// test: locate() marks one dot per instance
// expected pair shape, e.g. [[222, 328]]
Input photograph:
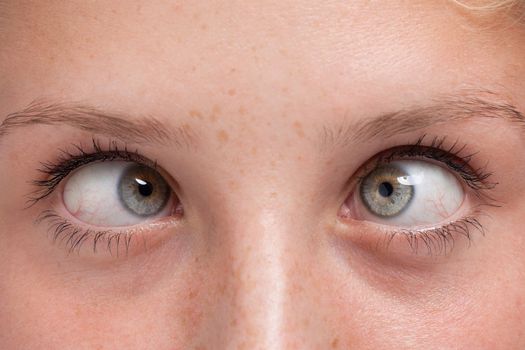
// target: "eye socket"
[[117, 193], [407, 193]]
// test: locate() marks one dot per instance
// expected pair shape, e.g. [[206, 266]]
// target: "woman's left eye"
[[408, 194], [117, 194]]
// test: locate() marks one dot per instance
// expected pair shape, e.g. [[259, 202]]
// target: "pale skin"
[[262, 257]]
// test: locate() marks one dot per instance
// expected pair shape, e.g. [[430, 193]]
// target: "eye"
[[408, 193], [117, 193]]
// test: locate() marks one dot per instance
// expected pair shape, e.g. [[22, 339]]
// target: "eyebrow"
[[444, 110], [150, 130], [91, 119]]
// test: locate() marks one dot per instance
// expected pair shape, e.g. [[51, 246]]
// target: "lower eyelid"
[[86, 241], [430, 241]]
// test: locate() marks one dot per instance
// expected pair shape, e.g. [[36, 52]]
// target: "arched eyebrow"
[[442, 111], [97, 121]]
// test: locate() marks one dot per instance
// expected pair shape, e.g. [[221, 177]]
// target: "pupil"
[[386, 189], [145, 188]]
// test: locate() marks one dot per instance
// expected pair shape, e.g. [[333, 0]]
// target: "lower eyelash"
[[439, 240], [73, 237]]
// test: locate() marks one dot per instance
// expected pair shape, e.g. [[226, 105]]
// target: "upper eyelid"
[[453, 155], [56, 171]]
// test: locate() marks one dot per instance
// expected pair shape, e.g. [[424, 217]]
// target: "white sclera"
[[91, 194], [437, 195]]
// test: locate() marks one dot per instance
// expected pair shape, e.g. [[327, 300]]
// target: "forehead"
[[264, 58]]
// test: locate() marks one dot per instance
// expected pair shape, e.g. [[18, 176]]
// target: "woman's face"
[[337, 174]]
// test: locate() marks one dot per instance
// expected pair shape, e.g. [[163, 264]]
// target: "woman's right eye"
[[117, 194]]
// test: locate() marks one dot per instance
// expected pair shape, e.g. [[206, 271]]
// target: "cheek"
[[140, 303], [454, 306]]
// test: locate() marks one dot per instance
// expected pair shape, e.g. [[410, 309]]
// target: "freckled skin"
[[261, 260]]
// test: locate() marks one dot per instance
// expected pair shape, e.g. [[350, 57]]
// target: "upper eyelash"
[[68, 161], [434, 239], [478, 179], [441, 239]]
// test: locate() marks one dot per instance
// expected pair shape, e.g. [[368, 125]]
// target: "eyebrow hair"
[[97, 121], [443, 111]]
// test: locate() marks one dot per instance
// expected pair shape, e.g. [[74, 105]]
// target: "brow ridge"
[[94, 120], [442, 111]]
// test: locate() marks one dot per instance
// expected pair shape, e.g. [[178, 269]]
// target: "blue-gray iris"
[[143, 191], [383, 194]]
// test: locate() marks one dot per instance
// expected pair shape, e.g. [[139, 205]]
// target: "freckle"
[[176, 7], [284, 90], [242, 110], [273, 194], [298, 129], [193, 68], [195, 114], [253, 151], [231, 92], [204, 27], [233, 70], [335, 343], [193, 293], [233, 185], [216, 110], [223, 136], [272, 163]]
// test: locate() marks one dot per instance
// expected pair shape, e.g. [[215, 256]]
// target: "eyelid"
[[453, 156], [476, 182], [67, 230], [55, 172], [117, 242]]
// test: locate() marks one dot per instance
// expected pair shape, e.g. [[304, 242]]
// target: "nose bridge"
[[258, 280]]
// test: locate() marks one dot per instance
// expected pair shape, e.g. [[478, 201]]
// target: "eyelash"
[[440, 240], [55, 172], [452, 156], [434, 239], [61, 229]]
